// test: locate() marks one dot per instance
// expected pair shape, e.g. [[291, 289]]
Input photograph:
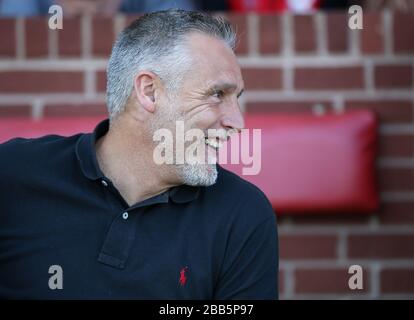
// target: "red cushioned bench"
[[308, 163], [323, 164]]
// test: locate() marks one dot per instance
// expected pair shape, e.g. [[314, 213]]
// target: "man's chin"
[[202, 175]]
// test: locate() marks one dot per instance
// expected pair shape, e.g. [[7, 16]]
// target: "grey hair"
[[156, 42]]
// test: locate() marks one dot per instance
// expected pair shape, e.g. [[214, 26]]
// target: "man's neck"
[[126, 159]]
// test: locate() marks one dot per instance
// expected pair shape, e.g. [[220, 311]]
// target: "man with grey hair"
[[101, 219]]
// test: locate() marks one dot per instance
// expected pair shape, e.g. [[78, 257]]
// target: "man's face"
[[208, 99]]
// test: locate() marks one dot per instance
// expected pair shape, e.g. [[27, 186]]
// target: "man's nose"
[[232, 117]]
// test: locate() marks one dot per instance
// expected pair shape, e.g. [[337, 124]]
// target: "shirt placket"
[[121, 234]]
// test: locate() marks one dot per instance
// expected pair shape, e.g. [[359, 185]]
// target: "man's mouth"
[[215, 143]]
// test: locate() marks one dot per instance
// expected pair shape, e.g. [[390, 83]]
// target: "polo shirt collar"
[[86, 156], [86, 152], [184, 193]]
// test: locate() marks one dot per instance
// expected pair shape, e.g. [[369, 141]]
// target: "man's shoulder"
[[234, 191], [33, 151], [20, 146], [237, 186]]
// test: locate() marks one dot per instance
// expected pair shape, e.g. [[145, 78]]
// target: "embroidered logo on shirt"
[[183, 278]]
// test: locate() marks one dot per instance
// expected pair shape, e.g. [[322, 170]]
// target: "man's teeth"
[[213, 142]]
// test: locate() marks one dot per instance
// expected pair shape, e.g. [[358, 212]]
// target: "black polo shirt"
[[58, 209]]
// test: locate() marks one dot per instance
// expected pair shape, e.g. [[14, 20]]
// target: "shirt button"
[[125, 215], [104, 183]]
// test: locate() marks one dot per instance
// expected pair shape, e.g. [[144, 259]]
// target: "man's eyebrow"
[[225, 87]]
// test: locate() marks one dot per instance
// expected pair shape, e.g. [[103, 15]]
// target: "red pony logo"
[[183, 278]]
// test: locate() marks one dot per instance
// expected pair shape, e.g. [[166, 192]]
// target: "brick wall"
[[290, 63]]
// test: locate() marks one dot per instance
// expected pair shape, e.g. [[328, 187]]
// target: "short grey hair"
[[156, 42]]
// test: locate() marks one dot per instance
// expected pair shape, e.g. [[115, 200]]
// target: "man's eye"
[[218, 94]]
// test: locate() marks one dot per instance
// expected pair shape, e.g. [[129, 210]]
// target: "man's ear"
[[144, 86]]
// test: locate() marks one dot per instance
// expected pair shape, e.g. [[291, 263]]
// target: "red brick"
[[389, 111], [403, 33], [15, 111], [396, 145], [101, 81], [397, 280], [239, 22], [396, 179], [337, 28], [325, 281], [264, 78], [103, 36], [304, 33], [381, 246], [83, 109], [37, 37], [393, 76], [70, 37], [372, 36], [285, 106], [329, 78], [7, 36], [40, 81], [307, 246], [270, 34], [397, 213]]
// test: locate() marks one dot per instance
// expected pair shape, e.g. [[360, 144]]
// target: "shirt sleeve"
[[251, 263]]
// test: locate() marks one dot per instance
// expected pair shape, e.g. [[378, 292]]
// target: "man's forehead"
[[205, 46], [215, 62]]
